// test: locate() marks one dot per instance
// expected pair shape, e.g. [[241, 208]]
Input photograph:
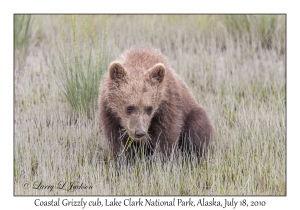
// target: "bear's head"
[[135, 96]]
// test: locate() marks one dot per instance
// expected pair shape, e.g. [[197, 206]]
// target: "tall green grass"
[[256, 27], [22, 27], [23, 34], [82, 68]]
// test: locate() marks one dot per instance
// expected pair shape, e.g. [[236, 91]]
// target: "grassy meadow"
[[234, 65]]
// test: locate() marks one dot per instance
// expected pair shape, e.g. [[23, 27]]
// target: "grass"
[[23, 35], [81, 74], [234, 65]]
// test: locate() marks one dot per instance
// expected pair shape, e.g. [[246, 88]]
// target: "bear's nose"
[[139, 133]]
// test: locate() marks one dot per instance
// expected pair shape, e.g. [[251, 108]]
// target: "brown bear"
[[142, 97]]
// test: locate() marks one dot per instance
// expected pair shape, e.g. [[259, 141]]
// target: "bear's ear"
[[156, 73], [116, 71]]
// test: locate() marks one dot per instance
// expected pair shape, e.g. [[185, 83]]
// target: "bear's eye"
[[129, 109], [149, 109]]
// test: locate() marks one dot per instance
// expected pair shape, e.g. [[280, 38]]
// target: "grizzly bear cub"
[[142, 97]]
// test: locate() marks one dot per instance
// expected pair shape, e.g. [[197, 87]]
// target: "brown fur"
[[139, 80]]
